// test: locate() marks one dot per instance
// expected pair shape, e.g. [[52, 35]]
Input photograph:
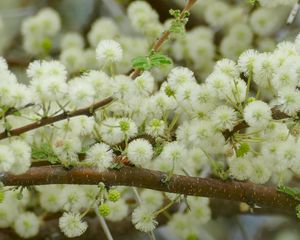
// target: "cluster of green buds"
[[112, 195]]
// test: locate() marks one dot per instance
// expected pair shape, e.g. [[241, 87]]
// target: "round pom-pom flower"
[[144, 219], [109, 50], [71, 225], [27, 225], [140, 151], [100, 155], [257, 114]]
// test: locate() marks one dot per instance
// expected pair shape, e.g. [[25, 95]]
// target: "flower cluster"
[[223, 118], [39, 30]]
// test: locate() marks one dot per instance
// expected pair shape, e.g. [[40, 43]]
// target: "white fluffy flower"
[[72, 40], [71, 224], [220, 83], [100, 155], [22, 153], [152, 199], [8, 212], [81, 93], [144, 83], [246, 61], [50, 198], [7, 158], [140, 152], [49, 20], [173, 154], [27, 225], [110, 132], [144, 219], [103, 28], [118, 210], [289, 101], [73, 59], [179, 76], [155, 127], [3, 64], [73, 198], [127, 127], [285, 77], [228, 67], [260, 171], [257, 114], [240, 168], [67, 148], [263, 70], [224, 117], [109, 51]]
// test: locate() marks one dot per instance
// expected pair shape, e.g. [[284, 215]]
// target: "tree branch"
[[260, 195], [88, 111]]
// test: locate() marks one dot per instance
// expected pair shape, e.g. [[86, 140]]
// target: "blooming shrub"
[[176, 109]]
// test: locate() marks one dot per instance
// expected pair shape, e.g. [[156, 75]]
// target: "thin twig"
[[88, 111]]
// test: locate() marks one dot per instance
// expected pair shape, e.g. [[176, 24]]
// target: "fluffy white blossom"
[[179, 76], [109, 51], [103, 28], [240, 168], [27, 225], [50, 198], [260, 171], [72, 225], [118, 210], [155, 127], [72, 40], [224, 117], [100, 155], [140, 152], [73, 198], [144, 219], [152, 199], [257, 114], [7, 158], [22, 153], [144, 83]]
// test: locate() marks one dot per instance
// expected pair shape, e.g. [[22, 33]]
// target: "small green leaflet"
[[154, 60], [158, 59], [44, 151], [243, 150], [141, 63], [292, 192]]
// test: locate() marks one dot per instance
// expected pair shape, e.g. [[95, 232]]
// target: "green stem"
[[167, 206]]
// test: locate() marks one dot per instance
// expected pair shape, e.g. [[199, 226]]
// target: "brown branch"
[[88, 111], [260, 195]]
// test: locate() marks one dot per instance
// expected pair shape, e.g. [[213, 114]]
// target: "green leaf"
[[292, 192], [146, 63], [243, 150], [141, 63], [158, 59]]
